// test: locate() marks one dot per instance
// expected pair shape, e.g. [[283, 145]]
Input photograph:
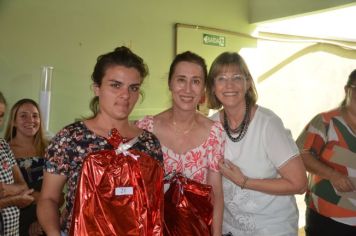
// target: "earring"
[[202, 99]]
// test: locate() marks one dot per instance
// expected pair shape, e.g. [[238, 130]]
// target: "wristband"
[[244, 183]]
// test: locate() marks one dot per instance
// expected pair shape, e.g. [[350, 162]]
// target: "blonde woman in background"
[[26, 139]]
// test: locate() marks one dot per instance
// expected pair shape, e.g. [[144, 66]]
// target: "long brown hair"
[[39, 141], [2, 99]]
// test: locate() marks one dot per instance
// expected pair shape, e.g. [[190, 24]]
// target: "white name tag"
[[119, 191]]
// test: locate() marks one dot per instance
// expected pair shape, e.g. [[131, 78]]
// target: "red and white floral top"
[[196, 162]]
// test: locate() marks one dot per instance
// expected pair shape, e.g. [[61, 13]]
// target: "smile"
[[187, 98], [230, 94]]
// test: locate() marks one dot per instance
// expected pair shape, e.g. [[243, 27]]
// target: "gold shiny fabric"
[[187, 208], [119, 195]]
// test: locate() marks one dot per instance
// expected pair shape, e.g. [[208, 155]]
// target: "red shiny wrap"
[[187, 208], [119, 195]]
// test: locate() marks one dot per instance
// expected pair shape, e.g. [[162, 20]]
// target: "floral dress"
[[195, 163], [68, 149]]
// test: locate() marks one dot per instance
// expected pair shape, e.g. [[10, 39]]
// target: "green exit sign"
[[214, 40]]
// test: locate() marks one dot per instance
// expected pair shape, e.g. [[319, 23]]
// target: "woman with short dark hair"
[[117, 80]]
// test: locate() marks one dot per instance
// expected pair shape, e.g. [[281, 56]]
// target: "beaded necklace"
[[241, 130]]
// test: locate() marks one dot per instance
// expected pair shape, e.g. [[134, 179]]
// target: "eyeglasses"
[[352, 86], [222, 79]]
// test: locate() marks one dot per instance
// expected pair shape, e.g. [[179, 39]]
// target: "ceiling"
[[336, 24]]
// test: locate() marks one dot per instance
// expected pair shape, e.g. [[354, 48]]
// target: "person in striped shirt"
[[328, 146]]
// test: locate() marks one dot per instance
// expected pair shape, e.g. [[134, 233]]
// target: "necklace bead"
[[241, 130]]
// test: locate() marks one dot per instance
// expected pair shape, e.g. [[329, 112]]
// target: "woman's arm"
[[16, 194], [215, 180], [49, 203], [20, 200], [36, 196], [292, 180], [17, 187], [340, 181]]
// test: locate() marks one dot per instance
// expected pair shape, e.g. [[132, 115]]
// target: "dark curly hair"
[[121, 56]]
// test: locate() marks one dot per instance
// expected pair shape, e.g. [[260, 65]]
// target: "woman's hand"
[[21, 200], [35, 229], [341, 182], [7, 190], [24, 199], [231, 172]]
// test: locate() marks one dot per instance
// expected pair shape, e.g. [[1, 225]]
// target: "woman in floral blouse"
[[117, 78], [192, 144]]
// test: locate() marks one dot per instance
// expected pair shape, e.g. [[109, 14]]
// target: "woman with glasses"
[[262, 167], [328, 145]]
